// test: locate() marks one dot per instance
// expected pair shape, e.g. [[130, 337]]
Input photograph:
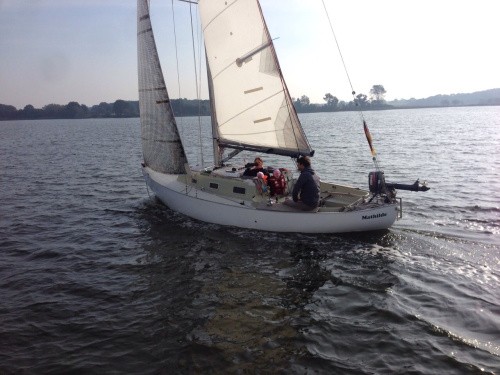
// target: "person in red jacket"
[[277, 183]]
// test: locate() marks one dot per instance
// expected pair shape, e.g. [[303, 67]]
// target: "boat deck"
[[230, 183]]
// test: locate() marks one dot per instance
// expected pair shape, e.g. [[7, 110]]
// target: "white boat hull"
[[211, 208]]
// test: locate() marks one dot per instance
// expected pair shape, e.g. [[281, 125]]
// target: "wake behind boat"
[[251, 111]]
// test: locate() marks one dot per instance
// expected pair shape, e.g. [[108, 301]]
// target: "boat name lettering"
[[367, 217]]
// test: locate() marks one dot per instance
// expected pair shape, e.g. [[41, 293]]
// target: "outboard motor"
[[376, 182]]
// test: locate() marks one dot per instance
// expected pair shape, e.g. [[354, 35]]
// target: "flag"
[[369, 138]]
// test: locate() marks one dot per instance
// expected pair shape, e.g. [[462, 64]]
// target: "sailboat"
[[251, 110]]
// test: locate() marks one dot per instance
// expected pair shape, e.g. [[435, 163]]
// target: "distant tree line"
[[333, 104], [181, 107], [186, 107], [479, 98], [118, 109]]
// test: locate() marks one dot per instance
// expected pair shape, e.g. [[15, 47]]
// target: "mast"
[[213, 118]]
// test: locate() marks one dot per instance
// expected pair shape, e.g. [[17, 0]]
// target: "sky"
[[57, 51]]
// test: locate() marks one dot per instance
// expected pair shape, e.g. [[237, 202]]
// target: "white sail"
[[161, 144], [253, 109]]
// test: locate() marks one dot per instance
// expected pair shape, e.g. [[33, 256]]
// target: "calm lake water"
[[96, 276]]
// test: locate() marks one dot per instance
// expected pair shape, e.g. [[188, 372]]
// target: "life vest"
[[277, 185]]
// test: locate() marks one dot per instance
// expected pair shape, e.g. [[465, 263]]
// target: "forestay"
[[253, 109], [161, 144]]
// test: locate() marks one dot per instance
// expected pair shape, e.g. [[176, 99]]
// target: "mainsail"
[[161, 143], [253, 109]]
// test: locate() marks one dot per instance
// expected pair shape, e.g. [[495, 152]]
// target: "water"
[[96, 276]]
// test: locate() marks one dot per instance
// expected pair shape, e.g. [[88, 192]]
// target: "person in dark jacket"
[[258, 166], [307, 187]]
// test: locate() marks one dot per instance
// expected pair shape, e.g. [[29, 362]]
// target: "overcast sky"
[[56, 51]]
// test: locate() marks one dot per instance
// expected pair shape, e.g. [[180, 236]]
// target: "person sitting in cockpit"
[[256, 168]]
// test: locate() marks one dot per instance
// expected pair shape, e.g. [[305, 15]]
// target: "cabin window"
[[214, 185], [238, 190]]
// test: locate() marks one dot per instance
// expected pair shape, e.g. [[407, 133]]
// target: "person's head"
[[258, 162], [303, 162]]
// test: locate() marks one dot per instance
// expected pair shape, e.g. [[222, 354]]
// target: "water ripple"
[[95, 274]]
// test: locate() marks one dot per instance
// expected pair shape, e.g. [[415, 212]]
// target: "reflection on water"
[[249, 302]]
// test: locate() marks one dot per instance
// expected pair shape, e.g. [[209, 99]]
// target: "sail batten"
[[253, 90], [257, 113], [248, 89]]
